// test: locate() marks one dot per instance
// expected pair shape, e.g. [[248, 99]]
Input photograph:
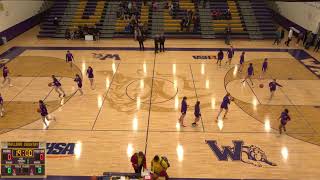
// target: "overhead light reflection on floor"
[[235, 70], [284, 153], [145, 68], [267, 126], [135, 123], [220, 124], [78, 149], [203, 69], [207, 84], [99, 101], [129, 150], [174, 69], [213, 103], [180, 152], [176, 103], [113, 68], [107, 82], [141, 83], [178, 126]]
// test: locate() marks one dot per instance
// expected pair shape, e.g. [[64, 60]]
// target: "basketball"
[[261, 85], [50, 84], [38, 110]]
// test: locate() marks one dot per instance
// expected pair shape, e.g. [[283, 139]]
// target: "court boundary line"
[[195, 90], [105, 96]]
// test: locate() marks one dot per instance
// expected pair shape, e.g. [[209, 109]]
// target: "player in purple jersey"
[[219, 57], [1, 106], [225, 105], [197, 113], [184, 108], [79, 83], [241, 61], [284, 118], [230, 53], [264, 67], [6, 77], [57, 86], [90, 76], [273, 87], [44, 113], [250, 73], [69, 58]]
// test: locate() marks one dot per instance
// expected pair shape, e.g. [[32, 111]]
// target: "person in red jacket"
[[138, 161]]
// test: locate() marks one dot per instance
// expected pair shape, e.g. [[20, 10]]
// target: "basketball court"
[[136, 102]]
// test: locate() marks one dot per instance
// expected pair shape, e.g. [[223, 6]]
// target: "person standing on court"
[[264, 68], [224, 105], [78, 80], [228, 34], [278, 38], [156, 44], [273, 87], [317, 47], [69, 58], [230, 53], [6, 77], [184, 108], [219, 57], [284, 118], [250, 73], [290, 34], [138, 161], [57, 86], [90, 76], [162, 40], [141, 39], [197, 114], [282, 35], [44, 113], [241, 62], [1, 106]]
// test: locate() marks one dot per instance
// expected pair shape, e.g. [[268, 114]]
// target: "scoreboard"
[[23, 159]]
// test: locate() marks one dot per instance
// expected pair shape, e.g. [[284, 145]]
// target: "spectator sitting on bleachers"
[[215, 14], [196, 23], [56, 22], [182, 24], [228, 14], [171, 9], [67, 34]]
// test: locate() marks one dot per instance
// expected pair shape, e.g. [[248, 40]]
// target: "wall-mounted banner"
[[106, 56], [239, 152]]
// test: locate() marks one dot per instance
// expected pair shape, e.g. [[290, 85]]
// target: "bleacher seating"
[[248, 19]]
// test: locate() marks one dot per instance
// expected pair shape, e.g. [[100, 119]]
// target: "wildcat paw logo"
[[247, 154], [106, 56]]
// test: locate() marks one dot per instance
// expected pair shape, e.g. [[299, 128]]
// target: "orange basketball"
[[261, 85], [38, 110], [50, 84]]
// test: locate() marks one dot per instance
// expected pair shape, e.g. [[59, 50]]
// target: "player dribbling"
[[57, 86]]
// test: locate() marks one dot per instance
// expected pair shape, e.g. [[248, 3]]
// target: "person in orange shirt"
[[138, 161]]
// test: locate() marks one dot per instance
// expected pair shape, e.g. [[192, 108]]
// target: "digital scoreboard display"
[[23, 159]]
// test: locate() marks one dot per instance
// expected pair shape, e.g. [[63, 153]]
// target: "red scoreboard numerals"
[[9, 157], [41, 157]]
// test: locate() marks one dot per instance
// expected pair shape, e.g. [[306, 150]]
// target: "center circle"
[[162, 90]]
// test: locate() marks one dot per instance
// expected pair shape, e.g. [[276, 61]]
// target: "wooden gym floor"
[[136, 104]]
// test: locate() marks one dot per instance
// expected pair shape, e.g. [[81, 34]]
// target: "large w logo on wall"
[[248, 154]]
